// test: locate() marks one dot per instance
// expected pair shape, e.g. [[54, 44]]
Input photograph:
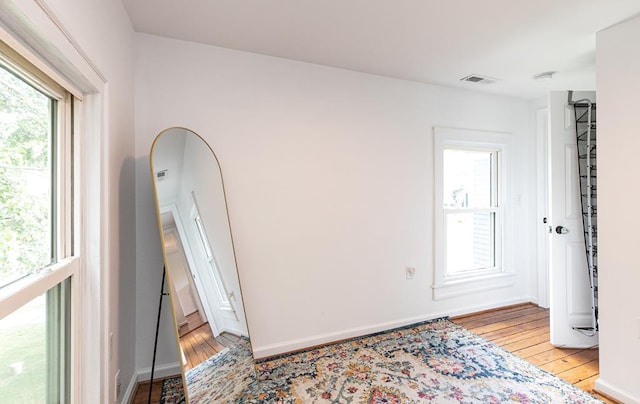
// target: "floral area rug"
[[433, 362], [172, 391], [222, 377]]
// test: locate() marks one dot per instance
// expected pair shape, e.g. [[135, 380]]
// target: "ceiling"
[[429, 41]]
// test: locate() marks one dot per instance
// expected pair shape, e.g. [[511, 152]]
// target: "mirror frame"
[[167, 273]]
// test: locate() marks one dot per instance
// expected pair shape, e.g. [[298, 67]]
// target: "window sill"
[[448, 288]]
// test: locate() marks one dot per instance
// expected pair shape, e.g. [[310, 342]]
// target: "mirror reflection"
[[201, 269]]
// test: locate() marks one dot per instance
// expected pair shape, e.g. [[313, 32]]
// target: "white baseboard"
[[131, 389], [608, 389], [292, 345], [142, 375], [169, 369], [482, 307]]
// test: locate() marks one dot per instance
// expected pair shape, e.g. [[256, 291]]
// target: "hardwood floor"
[[141, 395], [524, 331], [198, 345], [193, 321]]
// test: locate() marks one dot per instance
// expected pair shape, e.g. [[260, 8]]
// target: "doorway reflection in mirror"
[[204, 286]]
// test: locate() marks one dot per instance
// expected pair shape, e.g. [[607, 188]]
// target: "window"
[[471, 209], [38, 266], [470, 190]]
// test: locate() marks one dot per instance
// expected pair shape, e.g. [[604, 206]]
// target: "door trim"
[[542, 206]]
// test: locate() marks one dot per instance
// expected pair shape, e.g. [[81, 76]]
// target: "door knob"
[[561, 230]]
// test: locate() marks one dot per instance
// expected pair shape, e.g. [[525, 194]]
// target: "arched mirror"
[[201, 270]]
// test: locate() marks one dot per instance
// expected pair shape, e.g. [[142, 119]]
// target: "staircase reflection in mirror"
[[201, 268]]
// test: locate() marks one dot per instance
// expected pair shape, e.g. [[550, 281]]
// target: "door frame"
[[173, 210], [195, 294], [542, 206]]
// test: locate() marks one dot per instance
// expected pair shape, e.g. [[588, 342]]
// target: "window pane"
[[25, 178], [34, 350], [468, 179], [470, 241], [203, 238]]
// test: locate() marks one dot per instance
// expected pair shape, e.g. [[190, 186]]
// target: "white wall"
[[329, 179], [168, 157], [618, 86], [95, 38]]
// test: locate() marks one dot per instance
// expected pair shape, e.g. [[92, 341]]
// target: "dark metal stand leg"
[[155, 345]]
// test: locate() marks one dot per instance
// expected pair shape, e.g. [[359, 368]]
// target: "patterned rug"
[[172, 391], [436, 362], [223, 376]]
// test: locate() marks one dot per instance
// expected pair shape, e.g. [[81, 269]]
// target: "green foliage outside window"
[[25, 178]]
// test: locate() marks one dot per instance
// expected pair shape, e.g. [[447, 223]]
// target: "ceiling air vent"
[[160, 175], [476, 78]]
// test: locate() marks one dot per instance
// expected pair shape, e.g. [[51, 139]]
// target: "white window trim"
[[502, 275], [39, 284], [51, 48], [67, 207]]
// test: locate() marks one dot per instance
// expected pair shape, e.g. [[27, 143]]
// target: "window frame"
[[446, 285], [65, 213], [55, 51], [494, 208]]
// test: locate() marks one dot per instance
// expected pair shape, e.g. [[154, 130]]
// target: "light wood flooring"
[[523, 330], [142, 392], [193, 321], [198, 345]]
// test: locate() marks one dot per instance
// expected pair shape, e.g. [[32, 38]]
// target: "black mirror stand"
[[155, 344]]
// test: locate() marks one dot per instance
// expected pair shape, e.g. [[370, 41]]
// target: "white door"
[[182, 238], [190, 291], [570, 294], [181, 275]]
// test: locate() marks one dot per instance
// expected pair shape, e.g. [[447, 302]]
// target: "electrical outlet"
[[411, 272], [117, 386]]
